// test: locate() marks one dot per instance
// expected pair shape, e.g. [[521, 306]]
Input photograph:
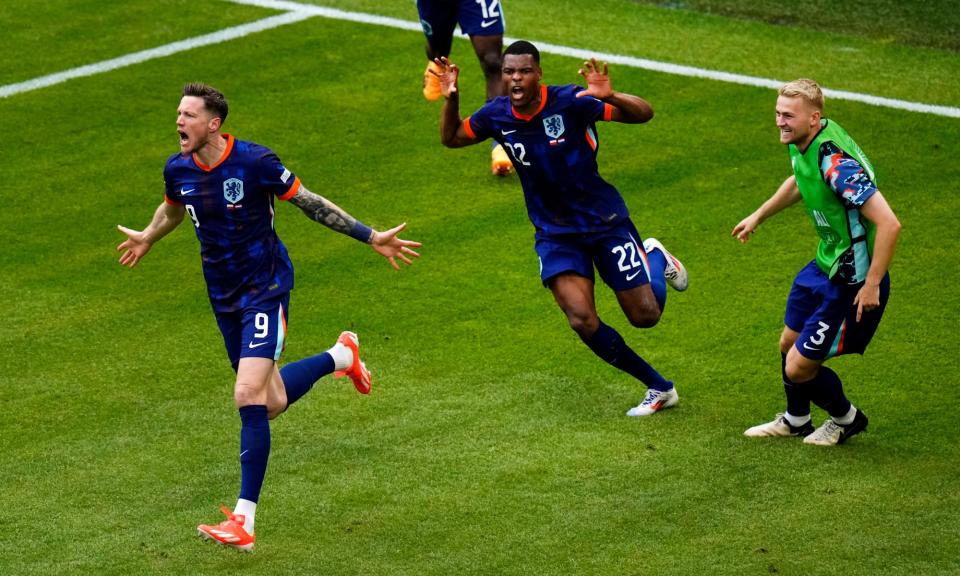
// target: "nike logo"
[[252, 345], [505, 132], [810, 347], [634, 275], [185, 192], [485, 24], [244, 452]]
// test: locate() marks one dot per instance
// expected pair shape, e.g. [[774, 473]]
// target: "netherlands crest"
[[553, 126], [233, 190]]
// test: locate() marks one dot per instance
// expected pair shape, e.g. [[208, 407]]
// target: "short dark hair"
[[213, 100], [523, 47]]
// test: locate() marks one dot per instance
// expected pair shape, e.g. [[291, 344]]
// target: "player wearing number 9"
[[228, 187], [581, 220]]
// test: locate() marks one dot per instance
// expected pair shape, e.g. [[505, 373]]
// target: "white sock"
[[848, 417], [248, 510], [796, 421], [342, 356]]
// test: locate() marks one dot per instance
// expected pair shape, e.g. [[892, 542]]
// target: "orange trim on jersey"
[[292, 190], [169, 201], [590, 140], [468, 129], [223, 157], [543, 102], [607, 112]]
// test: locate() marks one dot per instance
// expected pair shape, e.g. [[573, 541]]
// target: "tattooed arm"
[[386, 243], [320, 209]]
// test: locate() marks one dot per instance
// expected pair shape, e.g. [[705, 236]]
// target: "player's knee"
[[644, 316], [583, 324], [246, 394], [490, 62], [799, 372], [645, 319], [786, 342]]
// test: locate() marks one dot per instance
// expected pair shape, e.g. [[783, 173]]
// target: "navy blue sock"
[[659, 284], [609, 345], [299, 377], [826, 391], [798, 401], [254, 450]]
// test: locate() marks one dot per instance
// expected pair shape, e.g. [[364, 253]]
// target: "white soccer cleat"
[[674, 272], [830, 433], [655, 401], [780, 426]]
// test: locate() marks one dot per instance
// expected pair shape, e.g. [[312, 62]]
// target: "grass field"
[[493, 442]]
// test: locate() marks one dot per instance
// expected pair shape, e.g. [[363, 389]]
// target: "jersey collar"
[[543, 102], [223, 157]]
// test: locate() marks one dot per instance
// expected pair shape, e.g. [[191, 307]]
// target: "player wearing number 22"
[[227, 187], [581, 221]]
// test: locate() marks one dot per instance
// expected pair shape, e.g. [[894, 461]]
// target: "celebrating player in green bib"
[[837, 300]]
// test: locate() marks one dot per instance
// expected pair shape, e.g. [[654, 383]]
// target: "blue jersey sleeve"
[[275, 178], [170, 196], [845, 176], [479, 125], [588, 106]]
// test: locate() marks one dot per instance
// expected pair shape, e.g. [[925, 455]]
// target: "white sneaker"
[[654, 401], [830, 433], [779, 427], [674, 272]]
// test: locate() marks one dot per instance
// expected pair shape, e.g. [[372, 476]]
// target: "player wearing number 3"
[[581, 221], [227, 187], [837, 300]]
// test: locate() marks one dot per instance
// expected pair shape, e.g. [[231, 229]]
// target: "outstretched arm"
[[787, 195], [138, 243], [627, 108], [452, 132], [387, 244]]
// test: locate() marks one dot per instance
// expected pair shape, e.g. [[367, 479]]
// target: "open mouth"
[[183, 137], [516, 91]]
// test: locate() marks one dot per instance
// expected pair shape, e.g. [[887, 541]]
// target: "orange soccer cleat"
[[230, 532], [500, 163], [358, 370], [431, 83]]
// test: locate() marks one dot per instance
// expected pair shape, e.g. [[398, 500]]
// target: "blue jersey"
[[554, 152], [231, 206]]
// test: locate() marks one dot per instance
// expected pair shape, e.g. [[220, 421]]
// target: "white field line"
[[297, 12], [159, 52]]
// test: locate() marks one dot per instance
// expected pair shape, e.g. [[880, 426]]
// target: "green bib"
[[845, 235]]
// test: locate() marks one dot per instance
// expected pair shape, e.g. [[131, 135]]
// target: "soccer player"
[[581, 221], [227, 188], [483, 21], [837, 300]]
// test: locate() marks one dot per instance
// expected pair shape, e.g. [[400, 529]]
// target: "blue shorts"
[[617, 254], [476, 17], [257, 331], [824, 314]]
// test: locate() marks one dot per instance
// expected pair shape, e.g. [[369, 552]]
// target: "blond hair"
[[804, 88]]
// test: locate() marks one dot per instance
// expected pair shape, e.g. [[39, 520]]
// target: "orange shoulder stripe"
[[468, 129], [607, 112], [292, 190]]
